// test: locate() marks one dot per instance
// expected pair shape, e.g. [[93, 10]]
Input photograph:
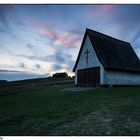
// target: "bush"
[[60, 75]]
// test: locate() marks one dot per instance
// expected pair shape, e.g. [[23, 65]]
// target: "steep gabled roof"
[[111, 52]]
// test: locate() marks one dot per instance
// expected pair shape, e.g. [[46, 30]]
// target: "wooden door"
[[89, 77]]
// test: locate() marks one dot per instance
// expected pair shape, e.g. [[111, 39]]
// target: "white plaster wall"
[[121, 78], [92, 61]]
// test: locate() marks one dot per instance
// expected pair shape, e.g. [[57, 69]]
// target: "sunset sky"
[[38, 40]]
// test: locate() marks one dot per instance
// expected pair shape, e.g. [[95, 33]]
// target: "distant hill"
[[38, 80], [3, 81]]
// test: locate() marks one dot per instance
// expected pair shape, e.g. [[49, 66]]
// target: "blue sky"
[[39, 40]]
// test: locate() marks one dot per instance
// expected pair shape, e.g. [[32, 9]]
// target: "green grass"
[[48, 110]]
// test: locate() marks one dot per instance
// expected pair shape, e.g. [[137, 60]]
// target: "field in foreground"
[[48, 110]]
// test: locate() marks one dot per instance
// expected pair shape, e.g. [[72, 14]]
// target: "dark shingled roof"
[[112, 53]]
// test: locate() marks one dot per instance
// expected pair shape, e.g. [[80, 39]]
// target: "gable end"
[[81, 48]]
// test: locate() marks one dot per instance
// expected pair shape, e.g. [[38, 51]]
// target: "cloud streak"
[[8, 71], [12, 75]]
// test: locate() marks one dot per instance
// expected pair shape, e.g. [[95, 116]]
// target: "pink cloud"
[[67, 39], [98, 11], [107, 6], [48, 32]]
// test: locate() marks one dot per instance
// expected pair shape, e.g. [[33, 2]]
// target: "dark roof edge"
[[107, 36]]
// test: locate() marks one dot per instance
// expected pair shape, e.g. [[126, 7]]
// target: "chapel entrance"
[[88, 77]]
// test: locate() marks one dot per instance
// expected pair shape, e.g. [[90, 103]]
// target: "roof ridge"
[[108, 36]]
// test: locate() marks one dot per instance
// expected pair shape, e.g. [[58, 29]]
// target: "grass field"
[[48, 110]]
